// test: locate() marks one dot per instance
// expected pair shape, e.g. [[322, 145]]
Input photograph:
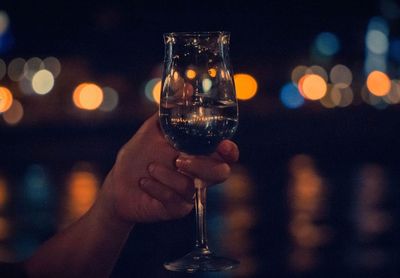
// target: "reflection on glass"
[[307, 193]]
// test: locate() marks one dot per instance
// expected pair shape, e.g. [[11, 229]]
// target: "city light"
[[6, 99], [290, 96], [32, 66], [246, 86], [88, 96], [318, 70], [297, 73], [53, 65], [327, 43], [156, 92], [191, 74], [341, 76], [312, 86], [377, 42], [15, 114], [206, 84], [150, 86], [110, 100], [16, 69], [212, 72], [42, 82], [378, 83]]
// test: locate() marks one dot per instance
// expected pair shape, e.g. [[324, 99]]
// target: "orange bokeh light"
[[246, 86], [312, 86], [156, 92], [6, 99], [191, 74], [88, 96], [378, 83], [212, 72]]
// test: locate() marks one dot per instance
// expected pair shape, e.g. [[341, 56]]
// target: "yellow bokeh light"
[[15, 114], [156, 92], [297, 73], [312, 86], [88, 96], [6, 99], [42, 82], [378, 83], [191, 74], [246, 86], [212, 72]]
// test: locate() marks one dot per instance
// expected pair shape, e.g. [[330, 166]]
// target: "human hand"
[[151, 181]]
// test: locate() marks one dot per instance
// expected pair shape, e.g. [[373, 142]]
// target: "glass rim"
[[197, 34]]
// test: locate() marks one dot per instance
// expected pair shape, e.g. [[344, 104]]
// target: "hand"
[[151, 181]]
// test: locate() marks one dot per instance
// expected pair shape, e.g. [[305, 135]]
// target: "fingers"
[[176, 181], [208, 169], [228, 151], [173, 203]]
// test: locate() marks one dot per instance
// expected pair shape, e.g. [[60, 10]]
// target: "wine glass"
[[198, 109]]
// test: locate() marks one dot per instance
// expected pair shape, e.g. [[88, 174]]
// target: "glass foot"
[[201, 261]]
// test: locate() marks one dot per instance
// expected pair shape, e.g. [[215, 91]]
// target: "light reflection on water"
[[36, 204]]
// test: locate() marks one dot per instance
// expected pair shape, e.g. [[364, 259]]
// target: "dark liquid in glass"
[[197, 129]]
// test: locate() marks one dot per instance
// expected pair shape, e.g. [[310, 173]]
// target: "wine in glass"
[[198, 109]]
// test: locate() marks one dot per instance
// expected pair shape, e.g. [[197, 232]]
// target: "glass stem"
[[200, 207]]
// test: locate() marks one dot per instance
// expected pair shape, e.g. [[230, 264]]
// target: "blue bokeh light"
[[290, 96], [394, 50], [327, 43]]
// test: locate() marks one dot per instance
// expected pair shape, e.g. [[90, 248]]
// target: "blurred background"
[[316, 191]]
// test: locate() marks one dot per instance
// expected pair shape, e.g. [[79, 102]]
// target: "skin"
[[150, 181]]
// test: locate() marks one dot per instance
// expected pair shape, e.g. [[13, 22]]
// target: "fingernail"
[[226, 149], [182, 162]]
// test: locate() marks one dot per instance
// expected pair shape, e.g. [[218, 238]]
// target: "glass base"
[[201, 261]]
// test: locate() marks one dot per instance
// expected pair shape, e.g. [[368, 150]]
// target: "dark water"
[[310, 197]]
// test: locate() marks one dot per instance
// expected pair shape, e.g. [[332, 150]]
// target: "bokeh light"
[[246, 86], [110, 99], [341, 97], [4, 22], [212, 72], [151, 84], [297, 73], [52, 64], [380, 24], [378, 83], [6, 99], [3, 69], [15, 114], [290, 96], [32, 66], [326, 101], [16, 69], [206, 84], [319, 71], [313, 86], [88, 96], [42, 82], [82, 189], [191, 74], [393, 97], [341, 76], [377, 42], [327, 43], [156, 92]]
